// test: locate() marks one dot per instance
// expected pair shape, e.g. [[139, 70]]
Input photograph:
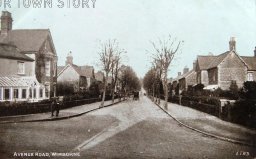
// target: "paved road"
[[132, 129]]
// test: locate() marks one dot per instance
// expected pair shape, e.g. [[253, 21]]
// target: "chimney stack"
[[185, 70], [255, 52], [179, 73], [69, 58], [232, 44], [194, 65], [6, 22]]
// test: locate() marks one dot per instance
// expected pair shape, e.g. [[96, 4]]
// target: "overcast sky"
[[204, 26]]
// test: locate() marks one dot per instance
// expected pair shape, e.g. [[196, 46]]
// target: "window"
[[21, 68], [24, 94], [47, 68], [6, 94], [15, 93], [47, 91], [34, 93], [30, 93], [250, 77], [1, 94], [54, 69], [41, 93]]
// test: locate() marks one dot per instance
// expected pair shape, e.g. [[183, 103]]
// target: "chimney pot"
[[179, 73]]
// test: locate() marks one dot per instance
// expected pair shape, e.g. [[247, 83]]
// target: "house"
[[226, 68], [99, 76], [80, 76], [16, 82], [188, 78], [184, 80], [37, 44], [175, 81], [202, 64]]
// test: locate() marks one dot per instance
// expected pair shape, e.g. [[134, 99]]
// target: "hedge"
[[22, 108]]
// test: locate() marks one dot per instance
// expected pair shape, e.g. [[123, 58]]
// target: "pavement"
[[64, 114], [210, 125]]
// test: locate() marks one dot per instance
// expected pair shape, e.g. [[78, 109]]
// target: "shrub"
[[244, 112], [249, 90], [65, 88]]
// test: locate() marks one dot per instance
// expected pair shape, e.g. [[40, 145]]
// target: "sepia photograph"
[[130, 79]]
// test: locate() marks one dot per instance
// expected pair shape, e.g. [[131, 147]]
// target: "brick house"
[[188, 78], [184, 80], [221, 70], [36, 44], [80, 76]]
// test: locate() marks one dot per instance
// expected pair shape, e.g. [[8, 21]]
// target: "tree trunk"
[[154, 92], [165, 90], [113, 94], [104, 91], [113, 91]]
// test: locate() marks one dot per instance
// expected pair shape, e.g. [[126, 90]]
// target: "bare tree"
[[157, 80], [115, 68], [106, 55], [165, 51], [110, 56]]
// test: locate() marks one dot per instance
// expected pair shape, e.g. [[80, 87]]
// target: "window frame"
[[22, 97], [41, 93], [249, 76], [47, 68], [15, 93], [9, 94], [22, 65]]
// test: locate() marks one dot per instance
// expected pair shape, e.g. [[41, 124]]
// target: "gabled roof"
[[187, 74], [204, 61], [177, 78], [9, 51], [59, 69], [27, 40], [86, 71], [250, 61], [217, 60]]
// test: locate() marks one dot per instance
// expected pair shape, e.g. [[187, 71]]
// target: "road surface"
[[132, 129]]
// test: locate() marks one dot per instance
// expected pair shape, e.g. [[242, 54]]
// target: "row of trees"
[[118, 78], [123, 77], [164, 52]]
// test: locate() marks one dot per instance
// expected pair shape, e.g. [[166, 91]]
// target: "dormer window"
[[21, 68]]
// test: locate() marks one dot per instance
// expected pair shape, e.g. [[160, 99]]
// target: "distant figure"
[[136, 95], [57, 108], [53, 106]]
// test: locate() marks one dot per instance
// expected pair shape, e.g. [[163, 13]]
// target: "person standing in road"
[[57, 108]]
